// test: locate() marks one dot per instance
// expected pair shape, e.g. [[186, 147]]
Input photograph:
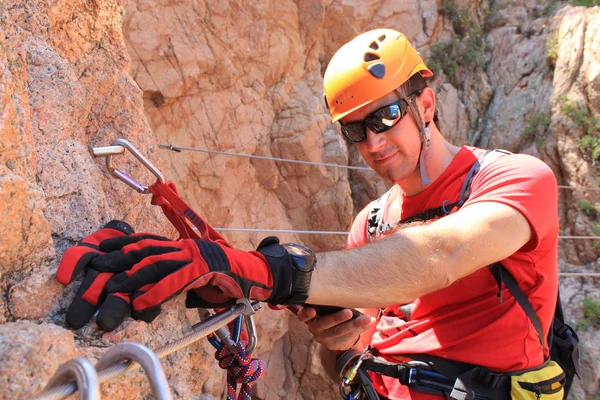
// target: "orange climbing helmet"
[[368, 67]]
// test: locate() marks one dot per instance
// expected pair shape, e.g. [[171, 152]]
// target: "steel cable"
[[288, 160]]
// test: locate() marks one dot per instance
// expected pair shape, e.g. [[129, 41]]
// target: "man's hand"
[[337, 331], [92, 295], [166, 268]]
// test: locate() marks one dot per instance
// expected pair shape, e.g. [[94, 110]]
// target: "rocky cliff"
[[246, 77]]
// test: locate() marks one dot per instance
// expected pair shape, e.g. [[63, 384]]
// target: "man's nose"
[[374, 141]]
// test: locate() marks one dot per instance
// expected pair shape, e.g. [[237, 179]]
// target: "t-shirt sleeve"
[[358, 232], [525, 183]]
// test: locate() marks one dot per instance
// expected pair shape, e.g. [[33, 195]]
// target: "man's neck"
[[437, 158]]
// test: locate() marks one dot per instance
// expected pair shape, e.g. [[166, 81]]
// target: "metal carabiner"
[[249, 312], [130, 352], [82, 372], [118, 147], [222, 336]]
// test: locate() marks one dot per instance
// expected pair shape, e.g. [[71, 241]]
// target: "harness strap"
[[474, 383], [501, 275], [374, 227]]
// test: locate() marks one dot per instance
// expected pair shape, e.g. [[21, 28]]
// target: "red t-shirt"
[[466, 321]]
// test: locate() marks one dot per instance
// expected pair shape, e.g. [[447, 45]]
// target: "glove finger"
[[117, 243], [151, 271], [112, 229], [171, 285], [125, 259], [76, 258], [113, 311], [73, 262], [89, 295], [149, 314]]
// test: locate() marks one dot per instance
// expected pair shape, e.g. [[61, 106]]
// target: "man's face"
[[393, 154]]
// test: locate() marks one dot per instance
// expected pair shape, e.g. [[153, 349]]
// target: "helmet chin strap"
[[424, 133]]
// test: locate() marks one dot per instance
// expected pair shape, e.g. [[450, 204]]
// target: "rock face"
[[246, 77]]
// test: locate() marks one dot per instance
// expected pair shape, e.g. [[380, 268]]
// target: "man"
[[510, 216], [375, 88]]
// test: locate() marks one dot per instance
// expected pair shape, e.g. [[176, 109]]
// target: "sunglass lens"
[[384, 118], [354, 132]]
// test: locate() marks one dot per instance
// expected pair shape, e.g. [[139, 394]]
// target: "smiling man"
[[428, 281]]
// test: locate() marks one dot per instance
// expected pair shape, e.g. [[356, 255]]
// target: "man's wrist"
[[292, 266], [303, 265]]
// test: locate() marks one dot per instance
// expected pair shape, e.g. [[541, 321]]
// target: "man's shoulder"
[[503, 160], [520, 164]]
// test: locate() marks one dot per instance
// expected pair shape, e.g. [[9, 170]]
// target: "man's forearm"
[[397, 269]]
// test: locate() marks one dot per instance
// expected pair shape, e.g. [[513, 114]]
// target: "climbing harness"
[[459, 380], [355, 384], [232, 353]]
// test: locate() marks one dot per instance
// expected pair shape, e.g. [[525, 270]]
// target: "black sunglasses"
[[378, 121]]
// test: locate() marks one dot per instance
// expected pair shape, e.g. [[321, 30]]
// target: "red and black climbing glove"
[[92, 295], [173, 267]]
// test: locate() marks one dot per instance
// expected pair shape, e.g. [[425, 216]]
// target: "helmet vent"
[[371, 57], [377, 70], [374, 46], [381, 38]]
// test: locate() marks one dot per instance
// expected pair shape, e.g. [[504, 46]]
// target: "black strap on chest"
[[376, 226]]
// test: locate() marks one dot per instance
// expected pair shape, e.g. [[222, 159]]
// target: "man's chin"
[[404, 179]]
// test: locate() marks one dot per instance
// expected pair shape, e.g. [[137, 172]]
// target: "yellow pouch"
[[545, 383]]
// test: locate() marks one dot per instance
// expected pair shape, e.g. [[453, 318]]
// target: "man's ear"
[[427, 100]]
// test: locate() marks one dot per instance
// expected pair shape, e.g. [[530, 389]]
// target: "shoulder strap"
[[485, 159], [501, 275]]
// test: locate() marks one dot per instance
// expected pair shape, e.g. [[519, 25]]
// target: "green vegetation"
[[466, 49], [549, 8], [546, 10], [456, 54], [536, 129], [552, 51], [586, 206], [589, 143], [597, 229], [585, 3], [591, 314], [459, 17]]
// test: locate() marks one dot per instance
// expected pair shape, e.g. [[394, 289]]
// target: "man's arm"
[[418, 260]]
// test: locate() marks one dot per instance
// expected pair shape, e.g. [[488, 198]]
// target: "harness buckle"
[[413, 376], [118, 147]]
